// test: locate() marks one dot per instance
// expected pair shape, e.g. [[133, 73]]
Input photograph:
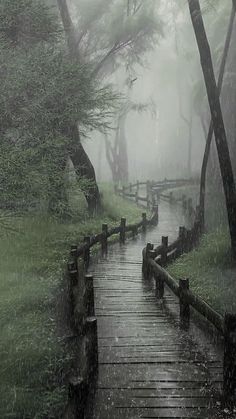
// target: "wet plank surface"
[[149, 367]]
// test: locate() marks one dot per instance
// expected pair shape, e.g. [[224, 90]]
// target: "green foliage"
[[43, 94], [27, 22]]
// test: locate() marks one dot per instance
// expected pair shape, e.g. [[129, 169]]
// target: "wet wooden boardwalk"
[[149, 367]]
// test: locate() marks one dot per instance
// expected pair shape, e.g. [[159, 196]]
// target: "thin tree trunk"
[[68, 27], [123, 153], [211, 130], [117, 155], [111, 155], [187, 121], [217, 118], [190, 144]]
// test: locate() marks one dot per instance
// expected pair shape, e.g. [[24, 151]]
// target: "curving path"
[[149, 367]]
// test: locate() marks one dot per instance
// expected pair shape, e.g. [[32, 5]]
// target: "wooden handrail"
[[96, 239], [154, 192], [154, 261], [195, 301]]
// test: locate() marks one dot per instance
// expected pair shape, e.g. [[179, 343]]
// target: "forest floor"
[[34, 257], [211, 271]]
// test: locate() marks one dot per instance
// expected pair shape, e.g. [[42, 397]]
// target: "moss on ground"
[[32, 355], [211, 271]]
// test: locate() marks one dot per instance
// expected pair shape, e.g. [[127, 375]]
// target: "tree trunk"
[[79, 157], [211, 129], [112, 160], [217, 118], [85, 170], [190, 144], [68, 28], [58, 201]]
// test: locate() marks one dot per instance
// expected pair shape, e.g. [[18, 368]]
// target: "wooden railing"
[[81, 298], [154, 192], [154, 262]]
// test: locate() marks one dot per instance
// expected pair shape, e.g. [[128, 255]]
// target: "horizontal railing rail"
[[154, 192], [122, 229]]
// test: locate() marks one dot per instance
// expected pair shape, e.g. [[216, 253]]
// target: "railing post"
[[122, 230], [156, 214], [183, 303], [104, 238], [78, 390], [145, 267], [189, 240], [137, 186], [160, 287], [136, 197], [182, 236], [144, 225], [171, 198], [73, 273], [91, 344], [149, 254], [87, 252], [73, 281], [89, 295], [123, 191], [229, 372], [134, 232], [164, 242], [73, 253], [184, 202], [154, 203]]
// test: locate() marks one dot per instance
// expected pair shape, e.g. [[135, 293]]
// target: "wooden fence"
[[82, 315], [154, 262], [149, 193]]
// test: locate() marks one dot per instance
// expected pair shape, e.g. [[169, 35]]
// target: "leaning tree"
[[217, 117], [211, 128]]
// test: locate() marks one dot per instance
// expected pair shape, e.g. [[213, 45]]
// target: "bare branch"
[[117, 47], [68, 25]]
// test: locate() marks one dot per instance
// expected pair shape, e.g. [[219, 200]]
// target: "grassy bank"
[[33, 359], [210, 270]]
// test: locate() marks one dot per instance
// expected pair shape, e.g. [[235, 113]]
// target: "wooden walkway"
[[149, 367]]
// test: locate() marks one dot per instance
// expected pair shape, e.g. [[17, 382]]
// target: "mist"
[[117, 209]]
